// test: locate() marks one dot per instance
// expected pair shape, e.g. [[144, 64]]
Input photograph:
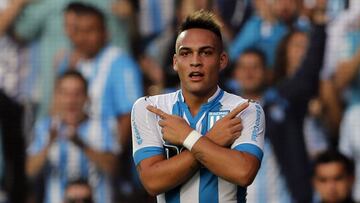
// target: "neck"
[[194, 100], [73, 118]]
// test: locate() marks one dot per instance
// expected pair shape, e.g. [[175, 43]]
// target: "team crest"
[[215, 116]]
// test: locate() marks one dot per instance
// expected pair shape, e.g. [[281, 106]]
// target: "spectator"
[[42, 21], [333, 177], [71, 145], [349, 142], [78, 191], [285, 105], [266, 27], [114, 78]]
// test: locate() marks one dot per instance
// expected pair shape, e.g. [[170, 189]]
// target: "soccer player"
[[200, 143]]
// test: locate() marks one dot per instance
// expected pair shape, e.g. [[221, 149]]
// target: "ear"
[[224, 60], [175, 63]]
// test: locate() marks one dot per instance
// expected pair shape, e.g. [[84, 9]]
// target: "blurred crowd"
[[70, 71]]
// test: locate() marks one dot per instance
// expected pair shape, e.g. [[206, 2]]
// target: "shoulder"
[[230, 101], [161, 101]]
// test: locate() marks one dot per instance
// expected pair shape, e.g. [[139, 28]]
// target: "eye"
[[184, 53], [206, 53]]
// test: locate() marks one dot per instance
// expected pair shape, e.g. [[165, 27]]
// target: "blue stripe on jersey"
[[208, 192], [241, 195], [63, 163], [251, 149], [155, 11], [147, 152]]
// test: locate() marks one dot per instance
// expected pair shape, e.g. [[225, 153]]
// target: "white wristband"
[[191, 139]]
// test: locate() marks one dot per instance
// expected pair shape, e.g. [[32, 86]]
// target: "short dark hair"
[[75, 7], [334, 156], [81, 8], [78, 181], [257, 52], [204, 20], [75, 74]]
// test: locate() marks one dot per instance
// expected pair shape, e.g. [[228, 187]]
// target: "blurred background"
[[70, 71]]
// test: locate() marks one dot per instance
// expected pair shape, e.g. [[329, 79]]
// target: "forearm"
[[106, 161], [34, 163], [159, 175], [346, 72], [219, 160], [8, 15]]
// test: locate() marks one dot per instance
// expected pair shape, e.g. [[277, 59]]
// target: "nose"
[[195, 60]]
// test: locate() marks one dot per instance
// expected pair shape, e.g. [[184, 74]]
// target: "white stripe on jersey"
[[189, 192], [146, 137]]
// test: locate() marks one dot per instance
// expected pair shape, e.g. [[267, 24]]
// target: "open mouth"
[[195, 76]]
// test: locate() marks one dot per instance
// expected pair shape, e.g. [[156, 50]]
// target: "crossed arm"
[[159, 175]]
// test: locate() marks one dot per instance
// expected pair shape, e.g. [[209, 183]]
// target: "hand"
[[174, 128], [226, 130], [71, 134]]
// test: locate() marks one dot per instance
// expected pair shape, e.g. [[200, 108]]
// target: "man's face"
[[90, 35], [332, 182], [70, 97], [78, 194], [250, 73], [285, 10], [70, 25], [198, 60]]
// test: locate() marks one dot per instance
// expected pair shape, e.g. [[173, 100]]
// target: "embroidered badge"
[[215, 116]]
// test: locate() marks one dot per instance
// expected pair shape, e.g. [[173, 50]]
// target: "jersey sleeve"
[[146, 137], [252, 136]]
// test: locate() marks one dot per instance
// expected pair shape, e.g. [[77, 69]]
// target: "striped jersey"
[[65, 161], [203, 186], [114, 81]]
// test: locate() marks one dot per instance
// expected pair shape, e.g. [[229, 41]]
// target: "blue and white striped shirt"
[[203, 186], [65, 161]]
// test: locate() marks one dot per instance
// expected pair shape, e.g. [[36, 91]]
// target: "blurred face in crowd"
[[295, 50], [69, 25], [250, 73], [332, 182], [70, 97], [78, 194], [90, 35], [198, 61], [285, 10]]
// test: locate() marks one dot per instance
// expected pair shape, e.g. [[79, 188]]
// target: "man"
[[199, 144], [65, 146], [269, 185], [333, 177], [114, 77], [78, 191], [285, 173]]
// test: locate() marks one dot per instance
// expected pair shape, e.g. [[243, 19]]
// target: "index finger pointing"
[[157, 111], [237, 110]]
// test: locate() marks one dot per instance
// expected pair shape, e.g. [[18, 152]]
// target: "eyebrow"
[[201, 48]]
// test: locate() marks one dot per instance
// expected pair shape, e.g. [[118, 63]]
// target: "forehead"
[[196, 38], [330, 169]]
